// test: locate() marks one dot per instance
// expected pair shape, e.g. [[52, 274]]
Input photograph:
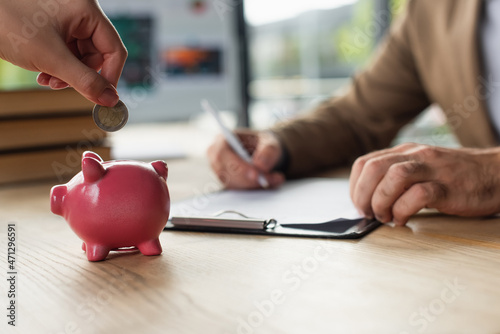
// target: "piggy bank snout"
[[57, 194]]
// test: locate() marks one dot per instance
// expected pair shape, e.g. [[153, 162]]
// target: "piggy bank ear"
[[92, 169], [161, 168], [90, 154]]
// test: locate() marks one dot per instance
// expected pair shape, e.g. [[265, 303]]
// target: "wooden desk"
[[438, 275]]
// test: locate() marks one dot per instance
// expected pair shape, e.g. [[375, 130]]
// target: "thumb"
[[267, 153], [82, 78]]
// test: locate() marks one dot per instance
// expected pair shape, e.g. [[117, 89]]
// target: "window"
[[303, 52]]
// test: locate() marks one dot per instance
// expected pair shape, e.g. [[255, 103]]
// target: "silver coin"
[[110, 119]]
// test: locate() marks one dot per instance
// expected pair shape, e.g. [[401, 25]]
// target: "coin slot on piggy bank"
[[115, 205]]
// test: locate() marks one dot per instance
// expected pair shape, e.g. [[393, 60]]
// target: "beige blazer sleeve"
[[381, 99]]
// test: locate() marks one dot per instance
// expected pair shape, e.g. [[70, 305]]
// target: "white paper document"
[[312, 200]]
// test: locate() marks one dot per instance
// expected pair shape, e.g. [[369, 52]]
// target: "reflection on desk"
[[438, 275]]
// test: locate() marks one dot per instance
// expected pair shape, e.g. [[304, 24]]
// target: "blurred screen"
[[180, 51], [192, 61]]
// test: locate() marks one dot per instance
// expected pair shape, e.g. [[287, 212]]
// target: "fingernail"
[[44, 81], [61, 85], [108, 98]]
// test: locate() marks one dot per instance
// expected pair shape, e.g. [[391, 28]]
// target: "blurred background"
[[259, 61]]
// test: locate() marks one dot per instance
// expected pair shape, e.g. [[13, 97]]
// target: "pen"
[[233, 141]]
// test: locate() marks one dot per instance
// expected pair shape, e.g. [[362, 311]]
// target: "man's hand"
[[68, 42], [237, 174], [393, 184]]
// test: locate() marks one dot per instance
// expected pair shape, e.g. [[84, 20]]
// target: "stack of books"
[[43, 134]]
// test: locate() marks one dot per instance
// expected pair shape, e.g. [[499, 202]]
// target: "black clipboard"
[[335, 229]]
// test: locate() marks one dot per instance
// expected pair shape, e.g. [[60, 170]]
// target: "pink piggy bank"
[[116, 204]]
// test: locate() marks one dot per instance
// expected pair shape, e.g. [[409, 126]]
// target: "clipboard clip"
[[216, 221]]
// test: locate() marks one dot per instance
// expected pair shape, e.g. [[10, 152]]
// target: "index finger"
[[359, 164], [107, 41]]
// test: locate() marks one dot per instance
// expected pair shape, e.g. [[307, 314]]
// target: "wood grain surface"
[[437, 275]]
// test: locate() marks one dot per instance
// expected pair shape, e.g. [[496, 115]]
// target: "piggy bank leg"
[[96, 252], [151, 247], [84, 247]]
